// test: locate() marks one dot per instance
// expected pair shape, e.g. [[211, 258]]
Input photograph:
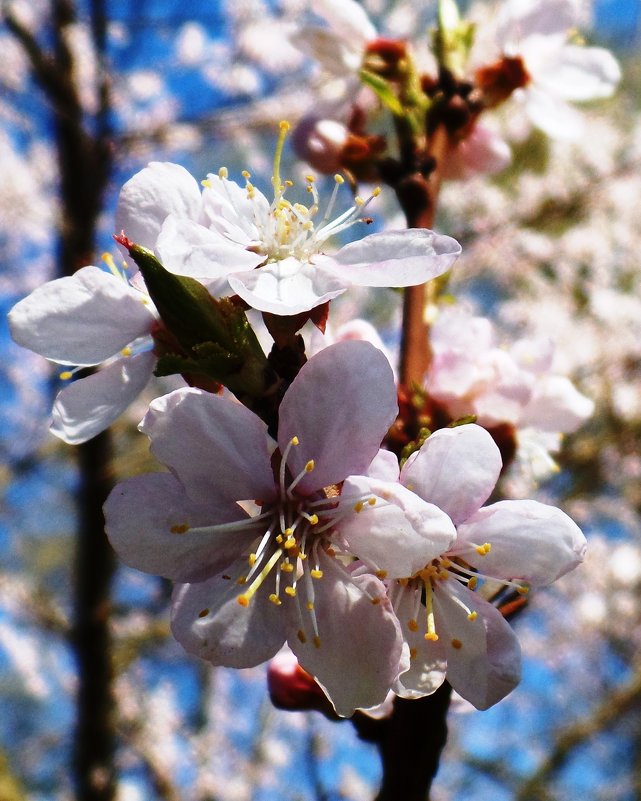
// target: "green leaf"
[[384, 91]]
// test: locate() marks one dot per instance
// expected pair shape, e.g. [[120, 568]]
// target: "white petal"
[[357, 655], [521, 19], [384, 466], [581, 74], [400, 534], [81, 319], [557, 406], [216, 447], [347, 17], [483, 655], [396, 258], [145, 521], [160, 189], [286, 287], [340, 407], [553, 115], [456, 469], [231, 212], [90, 405], [208, 621], [187, 248], [529, 540]]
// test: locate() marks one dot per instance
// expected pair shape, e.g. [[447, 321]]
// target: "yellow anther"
[[310, 178], [376, 192], [412, 653], [523, 590], [316, 573], [284, 126], [289, 183], [223, 172], [275, 599], [312, 520], [309, 189], [203, 613], [289, 543], [472, 615], [484, 549], [294, 441], [65, 375], [179, 529], [358, 506], [403, 582], [371, 501], [457, 644], [339, 179], [243, 600], [246, 174], [317, 641], [287, 567], [241, 580], [431, 636], [309, 466], [472, 583], [310, 606], [358, 201], [445, 563], [301, 636], [291, 591], [412, 625], [252, 559], [279, 539], [206, 183], [375, 601], [126, 351], [381, 574]]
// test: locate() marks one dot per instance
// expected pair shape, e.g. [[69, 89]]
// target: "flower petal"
[[456, 469], [208, 621], [231, 211], [483, 654], [556, 405], [146, 517], [150, 196], [339, 406], [81, 319], [427, 665], [553, 115], [90, 405], [216, 447], [529, 540], [400, 534], [187, 248], [286, 287], [396, 258], [581, 73], [384, 466], [357, 655]]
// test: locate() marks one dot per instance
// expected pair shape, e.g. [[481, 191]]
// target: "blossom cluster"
[[312, 501]]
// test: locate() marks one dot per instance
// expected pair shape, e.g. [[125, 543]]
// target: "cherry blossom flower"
[[253, 530], [547, 68], [451, 631], [91, 318], [470, 374], [221, 237]]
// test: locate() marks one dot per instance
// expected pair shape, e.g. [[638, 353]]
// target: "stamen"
[[307, 469], [249, 593], [430, 634], [276, 181]]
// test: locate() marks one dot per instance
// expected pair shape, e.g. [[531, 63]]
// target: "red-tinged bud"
[[497, 81], [385, 57], [320, 143], [292, 688]]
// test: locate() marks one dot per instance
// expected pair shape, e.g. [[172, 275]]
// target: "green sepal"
[[383, 90], [452, 39]]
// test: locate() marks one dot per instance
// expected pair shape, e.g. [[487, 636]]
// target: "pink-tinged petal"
[[456, 469], [339, 406], [556, 405], [187, 248], [286, 287], [148, 519], [348, 18], [216, 447], [334, 53], [81, 319], [581, 74], [208, 621], [90, 405], [427, 664], [399, 534], [483, 654], [150, 196], [357, 655], [396, 258], [481, 152], [384, 466], [553, 115], [528, 540], [519, 19]]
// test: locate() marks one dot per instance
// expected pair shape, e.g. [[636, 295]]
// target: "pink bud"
[[320, 142]]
